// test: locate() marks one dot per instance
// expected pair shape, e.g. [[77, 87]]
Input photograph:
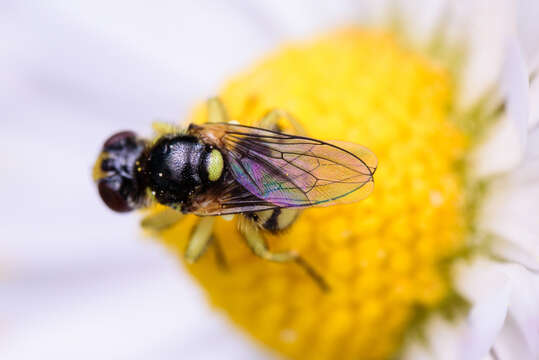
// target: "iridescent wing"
[[292, 171]]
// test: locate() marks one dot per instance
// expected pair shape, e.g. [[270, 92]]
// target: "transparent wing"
[[293, 171]]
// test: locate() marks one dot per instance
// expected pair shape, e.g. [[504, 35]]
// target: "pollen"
[[385, 257]]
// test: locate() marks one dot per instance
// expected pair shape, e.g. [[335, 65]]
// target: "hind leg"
[[258, 245]]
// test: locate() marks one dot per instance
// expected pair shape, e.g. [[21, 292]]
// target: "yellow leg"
[[201, 236], [162, 220], [220, 257], [163, 128], [216, 111], [200, 239], [270, 121], [258, 245]]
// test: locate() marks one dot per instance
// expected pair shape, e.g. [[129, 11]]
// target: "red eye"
[[110, 192], [120, 140]]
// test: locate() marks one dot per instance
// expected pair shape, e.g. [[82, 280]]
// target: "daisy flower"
[[440, 262]]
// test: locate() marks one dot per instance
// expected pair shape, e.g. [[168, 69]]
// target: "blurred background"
[[76, 280]]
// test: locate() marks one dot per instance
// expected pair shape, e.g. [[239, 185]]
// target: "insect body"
[[220, 168]]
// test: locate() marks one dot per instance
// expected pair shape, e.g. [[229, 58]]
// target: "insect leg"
[[274, 220], [162, 220], [270, 121], [163, 128], [216, 111], [220, 257], [258, 245], [200, 238]]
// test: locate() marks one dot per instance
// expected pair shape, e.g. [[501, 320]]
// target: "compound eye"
[[110, 192], [214, 165], [119, 140]]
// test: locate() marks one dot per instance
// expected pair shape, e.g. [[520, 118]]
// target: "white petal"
[[488, 291], [484, 27], [422, 18], [441, 343], [524, 307], [534, 101], [506, 141], [504, 314], [510, 210], [376, 12], [528, 28], [519, 338], [511, 215], [511, 344], [504, 299], [532, 151], [514, 86], [444, 342], [293, 19], [520, 250], [416, 350], [500, 152]]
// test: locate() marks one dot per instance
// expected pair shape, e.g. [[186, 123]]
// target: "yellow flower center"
[[386, 257]]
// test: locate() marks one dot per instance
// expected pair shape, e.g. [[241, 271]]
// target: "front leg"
[[163, 128], [199, 239], [161, 220], [258, 245]]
